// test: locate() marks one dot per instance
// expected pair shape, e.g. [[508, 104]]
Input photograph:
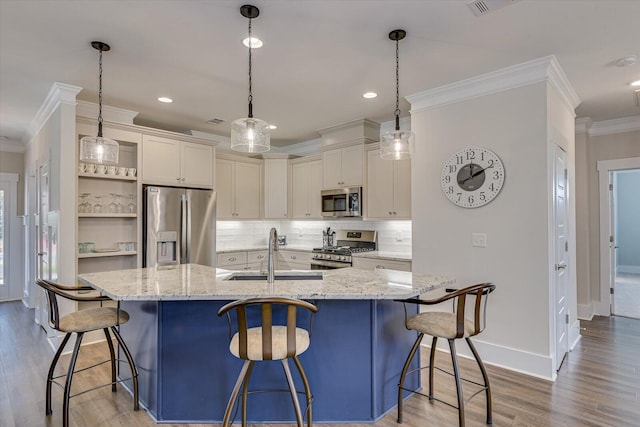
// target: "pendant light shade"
[[98, 149], [250, 135], [397, 144]]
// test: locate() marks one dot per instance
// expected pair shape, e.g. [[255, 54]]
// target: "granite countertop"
[[198, 282], [392, 256]]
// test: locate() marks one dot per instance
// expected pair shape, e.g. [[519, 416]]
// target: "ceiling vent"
[[215, 121], [482, 7]]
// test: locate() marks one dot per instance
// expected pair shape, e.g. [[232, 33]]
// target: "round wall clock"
[[472, 177]]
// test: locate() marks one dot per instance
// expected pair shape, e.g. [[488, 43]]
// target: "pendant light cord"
[[100, 96], [250, 92], [397, 112]]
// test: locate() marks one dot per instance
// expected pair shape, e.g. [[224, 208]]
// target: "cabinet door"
[[300, 191], [247, 190], [380, 186], [224, 189], [315, 187], [351, 166], [275, 188], [401, 188], [197, 165], [160, 160], [331, 166]]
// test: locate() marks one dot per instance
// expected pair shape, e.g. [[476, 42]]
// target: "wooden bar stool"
[[268, 342], [81, 322], [452, 326]]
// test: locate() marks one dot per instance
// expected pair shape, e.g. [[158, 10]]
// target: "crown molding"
[[583, 124], [59, 94], [609, 127], [109, 114], [546, 69]]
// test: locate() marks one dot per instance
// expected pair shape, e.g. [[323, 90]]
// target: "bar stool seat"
[[79, 323], [278, 343], [439, 324]]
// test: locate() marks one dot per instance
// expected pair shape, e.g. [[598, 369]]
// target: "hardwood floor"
[[598, 385]]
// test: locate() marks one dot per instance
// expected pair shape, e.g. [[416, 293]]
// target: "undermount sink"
[[280, 275]]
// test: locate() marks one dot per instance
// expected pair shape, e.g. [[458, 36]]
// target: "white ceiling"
[[319, 56]]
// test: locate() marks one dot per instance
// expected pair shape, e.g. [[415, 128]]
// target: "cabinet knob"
[[183, 179], [389, 212], [380, 266], [293, 257], [232, 259], [394, 212], [178, 179], [260, 256]]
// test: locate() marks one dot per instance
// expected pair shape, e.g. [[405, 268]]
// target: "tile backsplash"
[[393, 236]]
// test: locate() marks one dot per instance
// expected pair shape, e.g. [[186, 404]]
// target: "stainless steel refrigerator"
[[179, 226]]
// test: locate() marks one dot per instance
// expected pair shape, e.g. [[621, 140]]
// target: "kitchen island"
[[186, 372]]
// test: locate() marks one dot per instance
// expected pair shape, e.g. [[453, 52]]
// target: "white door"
[[612, 240], [197, 164], [8, 200], [561, 257], [44, 250]]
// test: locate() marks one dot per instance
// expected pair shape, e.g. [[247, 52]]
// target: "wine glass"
[[119, 205], [84, 206], [112, 207], [97, 207], [131, 207]]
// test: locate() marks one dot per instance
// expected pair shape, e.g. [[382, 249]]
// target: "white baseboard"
[[585, 311], [535, 365], [574, 335], [635, 269], [89, 338]]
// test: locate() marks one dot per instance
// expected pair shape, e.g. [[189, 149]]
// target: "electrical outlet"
[[399, 235], [479, 240]]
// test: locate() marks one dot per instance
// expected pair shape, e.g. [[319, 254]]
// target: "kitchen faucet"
[[273, 246]]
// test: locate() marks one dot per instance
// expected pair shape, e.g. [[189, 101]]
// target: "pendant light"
[[98, 149], [250, 135], [397, 144]]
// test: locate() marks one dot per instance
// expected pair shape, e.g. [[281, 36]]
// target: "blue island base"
[[186, 372]]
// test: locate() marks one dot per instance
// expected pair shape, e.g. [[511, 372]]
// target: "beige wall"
[[604, 147], [519, 125], [14, 163]]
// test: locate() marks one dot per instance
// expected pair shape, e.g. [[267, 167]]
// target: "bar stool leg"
[[292, 389], [432, 361], [307, 391], [234, 393], [456, 373], [52, 368], [245, 392], [132, 365], [112, 353], [486, 380], [67, 386], [405, 368]]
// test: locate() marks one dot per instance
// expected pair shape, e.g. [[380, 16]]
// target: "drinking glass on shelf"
[[119, 206], [112, 207], [131, 207], [97, 208], [84, 206]]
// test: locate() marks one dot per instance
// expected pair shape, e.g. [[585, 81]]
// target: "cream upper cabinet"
[[388, 187], [342, 167], [238, 189], [306, 184], [174, 162], [275, 188]]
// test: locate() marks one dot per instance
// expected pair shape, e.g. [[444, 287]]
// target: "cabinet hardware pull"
[[293, 257], [380, 266], [232, 259]]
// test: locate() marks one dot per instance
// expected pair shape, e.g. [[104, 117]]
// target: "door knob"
[[560, 266]]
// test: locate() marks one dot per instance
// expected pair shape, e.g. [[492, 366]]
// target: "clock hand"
[[474, 174]]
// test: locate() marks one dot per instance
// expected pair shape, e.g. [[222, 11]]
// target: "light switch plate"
[[479, 240]]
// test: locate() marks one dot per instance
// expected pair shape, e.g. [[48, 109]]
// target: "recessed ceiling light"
[[165, 99], [636, 83], [273, 127], [369, 95], [255, 42]]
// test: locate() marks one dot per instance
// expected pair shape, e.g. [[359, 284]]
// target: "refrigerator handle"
[[188, 230], [183, 229]]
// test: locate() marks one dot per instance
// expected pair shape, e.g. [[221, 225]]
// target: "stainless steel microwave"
[[343, 202]]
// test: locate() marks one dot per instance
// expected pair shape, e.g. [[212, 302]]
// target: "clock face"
[[472, 177]]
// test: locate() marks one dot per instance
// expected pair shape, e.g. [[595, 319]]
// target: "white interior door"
[[561, 257], [612, 239], [44, 251]]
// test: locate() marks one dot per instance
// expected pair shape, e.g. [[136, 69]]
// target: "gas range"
[[339, 256]]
